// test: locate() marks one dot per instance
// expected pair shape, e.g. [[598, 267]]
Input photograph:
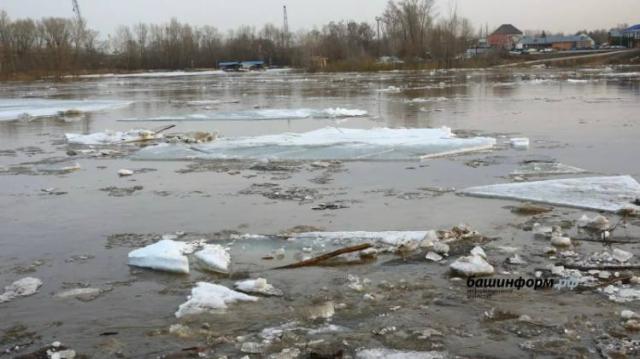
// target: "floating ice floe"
[[520, 143], [597, 223], [208, 297], [258, 286], [210, 102], [387, 237], [545, 169], [434, 257], [20, 288], [261, 114], [328, 144], [473, 265], [610, 194], [623, 74], [112, 137], [383, 353], [13, 109], [391, 89], [80, 293], [425, 100], [214, 257], [125, 173], [155, 74], [165, 255], [621, 256], [622, 294], [577, 81]]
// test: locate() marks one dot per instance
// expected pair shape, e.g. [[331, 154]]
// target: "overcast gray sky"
[[553, 15]]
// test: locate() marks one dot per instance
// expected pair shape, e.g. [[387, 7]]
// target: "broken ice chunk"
[[441, 248], [11, 109], [258, 286], [516, 260], [214, 257], [545, 169], [324, 310], [610, 194], [165, 255], [83, 294], [559, 240], [472, 265], [478, 251], [383, 353], [20, 288], [125, 173], [433, 256], [208, 297], [520, 143], [621, 256], [112, 137], [598, 223], [628, 314]]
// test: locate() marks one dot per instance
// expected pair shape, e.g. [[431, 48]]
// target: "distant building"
[[481, 48], [575, 42], [230, 66], [629, 37], [505, 37], [241, 65], [252, 65]]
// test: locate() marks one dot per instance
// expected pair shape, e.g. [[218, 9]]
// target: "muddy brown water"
[[75, 237]]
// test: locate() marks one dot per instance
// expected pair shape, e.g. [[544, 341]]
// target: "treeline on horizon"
[[408, 29]]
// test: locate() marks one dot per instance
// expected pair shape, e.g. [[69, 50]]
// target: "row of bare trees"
[[408, 29]]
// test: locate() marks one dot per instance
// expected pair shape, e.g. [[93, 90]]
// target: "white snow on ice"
[[13, 109], [327, 144], [261, 114], [597, 193], [165, 255], [208, 297]]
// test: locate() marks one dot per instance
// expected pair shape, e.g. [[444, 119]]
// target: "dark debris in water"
[[276, 192], [121, 191]]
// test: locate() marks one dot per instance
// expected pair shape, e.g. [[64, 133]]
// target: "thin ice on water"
[[257, 115], [610, 194], [13, 109], [328, 144]]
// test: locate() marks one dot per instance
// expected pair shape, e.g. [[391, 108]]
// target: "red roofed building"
[[505, 37]]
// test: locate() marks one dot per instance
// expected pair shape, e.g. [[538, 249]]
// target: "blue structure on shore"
[[241, 65]]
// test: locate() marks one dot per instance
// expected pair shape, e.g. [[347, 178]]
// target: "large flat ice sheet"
[[257, 115], [327, 144], [597, 193], [155, 74], [13, 109]]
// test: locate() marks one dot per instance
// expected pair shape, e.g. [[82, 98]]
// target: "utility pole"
[[378, 20], [285, 27]]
